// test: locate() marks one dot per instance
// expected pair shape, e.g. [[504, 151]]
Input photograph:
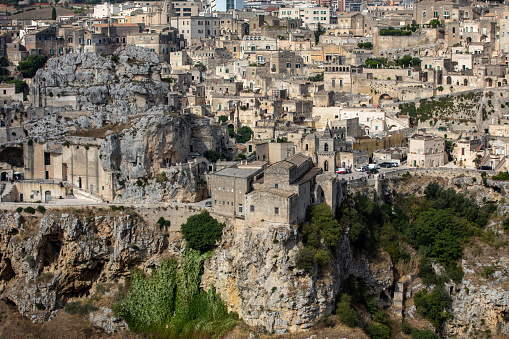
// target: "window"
[[240, 208], [276, 210], [251, 208], [47, 159], [276, 186], [424, 14], [288, 65]]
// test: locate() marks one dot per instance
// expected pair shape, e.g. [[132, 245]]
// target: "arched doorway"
[[465, 82], [3, 176], [449, 80]]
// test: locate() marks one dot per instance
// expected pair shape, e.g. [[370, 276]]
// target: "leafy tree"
[[433, 306], [53, 14], [201, 231], [365, 45], [319, 31], [200, 66], [223, 118], [434, 23], [317, 77], [347, 315], [243, 134], [424, 334], [440, 88], [319, 235], [29, 67], [378, 331]]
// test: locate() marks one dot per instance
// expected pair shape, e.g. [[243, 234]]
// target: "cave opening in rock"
[[50, 250]]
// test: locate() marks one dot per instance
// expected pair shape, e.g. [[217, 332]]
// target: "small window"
[[276, 186], [251, 208], [47, 159], [276, 210]]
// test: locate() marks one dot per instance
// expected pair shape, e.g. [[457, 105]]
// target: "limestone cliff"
[[81, 81], [44, 261], [254, 270]]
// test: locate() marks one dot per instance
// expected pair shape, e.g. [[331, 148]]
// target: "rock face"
[[84, 80], [254, 271], [46, 261]]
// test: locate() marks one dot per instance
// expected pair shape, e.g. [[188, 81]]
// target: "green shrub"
[[161, 178], [378, 331], [30, 210], [29, 67], [380, 317], [162, 223], [171, 304], [201, 231], [406, 328], [433, 306], [503, 176], [425, 334], [306, 259], [79, 308], [223, 118], [41, 209], [347, 315], [115, 58], [19, 209]]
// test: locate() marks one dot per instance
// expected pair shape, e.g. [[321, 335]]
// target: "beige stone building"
[[75, 162], [271, 152], [229, 186], [426, 151], [467, 151]]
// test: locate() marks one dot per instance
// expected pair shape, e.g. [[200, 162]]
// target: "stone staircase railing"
[[500, 164], [86, 195]]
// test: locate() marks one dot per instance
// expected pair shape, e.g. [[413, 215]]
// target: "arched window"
[[326, 147], [326, 166]]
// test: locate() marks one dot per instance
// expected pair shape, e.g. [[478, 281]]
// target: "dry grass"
[[101, 132]]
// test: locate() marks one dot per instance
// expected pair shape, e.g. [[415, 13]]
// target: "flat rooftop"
[[238, 172]]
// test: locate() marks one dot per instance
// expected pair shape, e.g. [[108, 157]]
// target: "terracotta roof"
[[271, 8]]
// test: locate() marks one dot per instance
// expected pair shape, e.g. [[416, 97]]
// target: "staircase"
[[6, 190], [501, 164], [80, 194], [484, 160]]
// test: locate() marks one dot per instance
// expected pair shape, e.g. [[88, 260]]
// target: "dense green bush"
[[201, 231], [30, 210], [406, 328], [29, 67], [317, 77], [378, 331], [320, 234], [41, 209], [501, 176], [19, 209], [347, 315], [425, 334], [170, 302], [433, 306]]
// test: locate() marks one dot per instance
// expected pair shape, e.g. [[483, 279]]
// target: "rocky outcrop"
[[46, 261], [82, 81], [182, 185], [254, 271]]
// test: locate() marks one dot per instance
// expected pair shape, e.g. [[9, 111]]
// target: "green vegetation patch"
[[170, 303]]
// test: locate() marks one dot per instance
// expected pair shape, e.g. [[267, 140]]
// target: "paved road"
[[357, 175]]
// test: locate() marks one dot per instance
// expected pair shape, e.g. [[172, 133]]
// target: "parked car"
[[361, 169], [208, 204], [385, 165], [341, 171], [394, 164], [373, 166], [372, 171], [485, 168]]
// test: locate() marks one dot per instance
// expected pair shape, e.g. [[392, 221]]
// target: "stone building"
[[76, 163], [271, 152], [426, 151], [288, 188], [229, 186]]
